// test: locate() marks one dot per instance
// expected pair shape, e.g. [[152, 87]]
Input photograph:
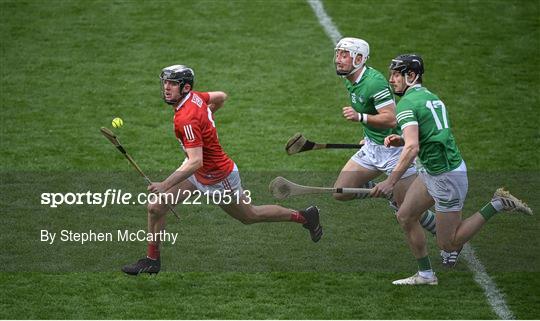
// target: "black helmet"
[[178, 73], [408, 62]]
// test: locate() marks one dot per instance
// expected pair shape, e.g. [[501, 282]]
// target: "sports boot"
[[510, 203], [144, 265], [311, 214], [417, 280], [449, 259]]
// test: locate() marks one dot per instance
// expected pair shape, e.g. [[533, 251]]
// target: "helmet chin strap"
[[409, 84], [355, 68], [346, 74], [412, 82]]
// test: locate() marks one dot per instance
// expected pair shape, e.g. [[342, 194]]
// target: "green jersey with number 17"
[[438, 150], [369, 93]]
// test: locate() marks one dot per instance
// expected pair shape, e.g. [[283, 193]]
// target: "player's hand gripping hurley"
[[114, 140], [299, 143]]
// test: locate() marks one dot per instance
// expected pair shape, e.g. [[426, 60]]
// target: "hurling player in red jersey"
[[206, 168]]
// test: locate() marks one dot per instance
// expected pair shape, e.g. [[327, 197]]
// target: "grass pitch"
[[69, 68]]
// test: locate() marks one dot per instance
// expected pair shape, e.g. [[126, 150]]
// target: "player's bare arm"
[[408, 154], [386, 117], [216, 101], [194, 162]]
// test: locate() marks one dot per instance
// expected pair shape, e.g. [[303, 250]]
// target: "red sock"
[[153, 251], [298, 218]]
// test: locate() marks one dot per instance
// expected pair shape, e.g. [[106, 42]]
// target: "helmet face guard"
[[354, 47], [179, 74], [404, 64]]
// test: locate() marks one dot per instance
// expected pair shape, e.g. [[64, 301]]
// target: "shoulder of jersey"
[[427, 91], [196, 102], [376, 78], [375, 74], [421, 92], [406, 100]]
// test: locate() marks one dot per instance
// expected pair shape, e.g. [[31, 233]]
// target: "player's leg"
[[354, 175], [241, 208], [249, 214], [454, 232], [386, 162], [156, 214], [427, 221], [449, 191], [416, 201], [447, 227], [401, 187]]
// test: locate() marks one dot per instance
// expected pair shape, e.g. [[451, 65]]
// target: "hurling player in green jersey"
[[427, 136], [373, 106]]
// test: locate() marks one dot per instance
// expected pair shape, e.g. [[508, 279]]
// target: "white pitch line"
[[494, 296], [325, 21]]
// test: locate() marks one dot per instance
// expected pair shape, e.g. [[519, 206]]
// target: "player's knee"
[[248, 219], [156, 210], [404, 219]]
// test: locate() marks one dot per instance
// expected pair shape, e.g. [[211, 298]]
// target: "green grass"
[[249, 296], [70, 67]]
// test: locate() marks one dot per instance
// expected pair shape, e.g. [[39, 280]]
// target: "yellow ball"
[[117, 122]]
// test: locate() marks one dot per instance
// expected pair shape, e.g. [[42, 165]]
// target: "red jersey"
[[194, 127]]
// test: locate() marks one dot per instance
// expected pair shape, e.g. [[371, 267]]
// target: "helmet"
[[408, 62], [405, 64], [355, 47], [178, 73]]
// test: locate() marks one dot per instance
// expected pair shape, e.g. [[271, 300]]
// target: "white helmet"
[[354, 46]]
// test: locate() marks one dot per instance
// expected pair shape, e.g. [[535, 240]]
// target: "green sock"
[[488, 211], [428, 221], [424, 264]]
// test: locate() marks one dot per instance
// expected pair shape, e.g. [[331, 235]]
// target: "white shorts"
[[230, 183], [380, 158], [449, 190]]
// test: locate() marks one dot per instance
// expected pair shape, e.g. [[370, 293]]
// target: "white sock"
[[497, 204], [428, 274]]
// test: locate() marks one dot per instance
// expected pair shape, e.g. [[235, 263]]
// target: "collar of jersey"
[[360, 76], [183, 101], [413, 86]]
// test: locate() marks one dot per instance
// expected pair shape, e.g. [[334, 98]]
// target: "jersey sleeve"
[[381, 94], [406, 115], [191, 134], [205, 96]]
